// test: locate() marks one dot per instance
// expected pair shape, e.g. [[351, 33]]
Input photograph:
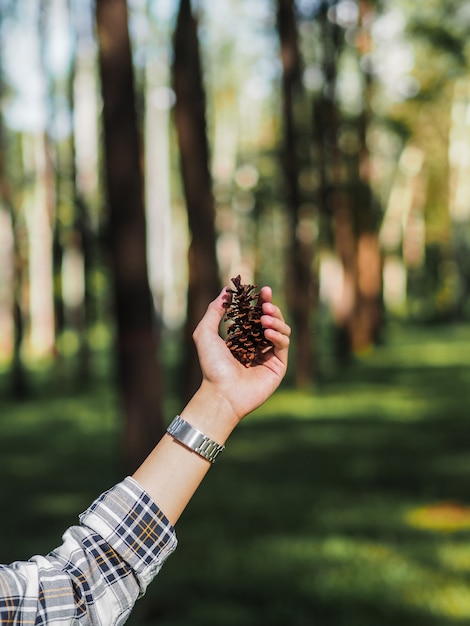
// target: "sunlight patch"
[[455, 558], [341, 567], [393, 404], [445, 517]]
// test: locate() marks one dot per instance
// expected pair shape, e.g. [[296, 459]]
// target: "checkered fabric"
[[98, 572]]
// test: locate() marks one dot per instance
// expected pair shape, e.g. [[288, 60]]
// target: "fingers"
[[276, 329], [276, 325], [265, 294], [272, 310], [272, 320]]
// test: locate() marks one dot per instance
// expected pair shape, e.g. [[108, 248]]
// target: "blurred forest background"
[[153, 149]]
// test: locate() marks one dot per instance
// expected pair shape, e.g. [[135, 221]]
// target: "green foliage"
[[58, 451], [441, 39]]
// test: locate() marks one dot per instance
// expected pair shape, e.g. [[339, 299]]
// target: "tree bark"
[[13, 269], [301, 293], [137, 339], [346, 199], [190, 119], [365, 322], [39, 217]]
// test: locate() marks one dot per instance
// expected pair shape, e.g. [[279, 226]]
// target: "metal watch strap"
[[194, 439]]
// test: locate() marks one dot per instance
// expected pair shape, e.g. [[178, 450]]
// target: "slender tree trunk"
[[6, 281], [190, 118], [83, 98], [12, 265], [301, 292], [18, 379], [137, 339], [335, 191], [162, 271], [39, 213], [80, 245], [11, 283], [365, 321]]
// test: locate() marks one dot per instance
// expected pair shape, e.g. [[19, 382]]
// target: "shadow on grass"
[[57, 453]]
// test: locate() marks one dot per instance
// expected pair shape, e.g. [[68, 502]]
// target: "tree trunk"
[[301, 292], [18, 379], [336, 197], [137, 339], [83, 99], [79, 243], [365, 322], [159, 211], [12, 269], [190, 119], [39, 216]]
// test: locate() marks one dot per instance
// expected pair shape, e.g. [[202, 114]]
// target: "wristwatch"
[[194, 439]]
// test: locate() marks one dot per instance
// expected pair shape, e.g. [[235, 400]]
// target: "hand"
[[242, 389]]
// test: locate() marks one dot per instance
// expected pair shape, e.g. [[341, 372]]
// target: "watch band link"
[[194, 439]]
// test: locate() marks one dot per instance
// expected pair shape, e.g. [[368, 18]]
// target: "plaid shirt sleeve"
[[99, 571]]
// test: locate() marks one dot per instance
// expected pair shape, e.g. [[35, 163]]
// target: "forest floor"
[[346, 506]]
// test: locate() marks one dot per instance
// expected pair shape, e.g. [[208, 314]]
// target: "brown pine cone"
[[245, 335]]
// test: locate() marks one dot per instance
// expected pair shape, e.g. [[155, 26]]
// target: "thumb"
[[213, 316]]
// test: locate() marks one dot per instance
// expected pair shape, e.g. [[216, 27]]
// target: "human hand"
[[239, 389]]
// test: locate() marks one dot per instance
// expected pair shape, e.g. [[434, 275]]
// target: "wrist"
[[211, 413]]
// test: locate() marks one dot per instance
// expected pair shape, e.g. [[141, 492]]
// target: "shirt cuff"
[[132, 524]]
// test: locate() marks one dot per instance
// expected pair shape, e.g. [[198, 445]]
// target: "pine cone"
[[245, 337]]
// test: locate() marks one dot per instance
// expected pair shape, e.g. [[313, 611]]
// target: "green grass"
[[346, 506], [58, 451]]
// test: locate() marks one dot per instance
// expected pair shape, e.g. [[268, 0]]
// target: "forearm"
[[172, 473]]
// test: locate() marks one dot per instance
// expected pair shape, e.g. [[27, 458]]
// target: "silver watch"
[[194, 439]]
